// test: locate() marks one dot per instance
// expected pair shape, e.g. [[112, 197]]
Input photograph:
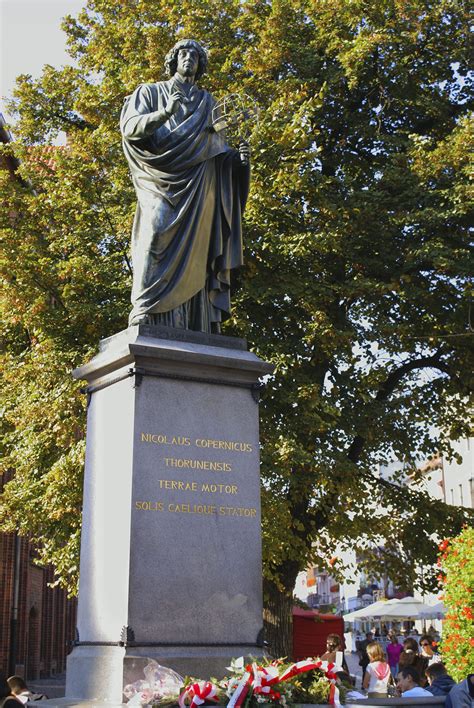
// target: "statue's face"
[[188, 61]]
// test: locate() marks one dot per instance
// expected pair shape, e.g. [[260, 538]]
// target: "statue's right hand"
[[174, 101]]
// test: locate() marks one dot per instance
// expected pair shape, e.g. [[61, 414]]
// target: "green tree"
[[356, 283]]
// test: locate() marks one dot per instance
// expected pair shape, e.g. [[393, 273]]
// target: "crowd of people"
[[410, 669]]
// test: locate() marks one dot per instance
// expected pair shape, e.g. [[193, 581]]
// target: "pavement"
[[53, 687], [352, 659]]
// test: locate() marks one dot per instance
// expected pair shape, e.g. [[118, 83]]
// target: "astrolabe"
[[237, 114]]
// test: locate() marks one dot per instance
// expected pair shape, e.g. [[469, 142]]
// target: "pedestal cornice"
[[164, 351]]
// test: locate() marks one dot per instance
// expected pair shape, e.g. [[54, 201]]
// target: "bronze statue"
[[191, 189]]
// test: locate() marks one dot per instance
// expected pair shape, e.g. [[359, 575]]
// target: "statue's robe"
[[191, 189]]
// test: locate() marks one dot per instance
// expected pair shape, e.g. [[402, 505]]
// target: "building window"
[[451, 492]]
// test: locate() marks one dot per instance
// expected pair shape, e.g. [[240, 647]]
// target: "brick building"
[[45, 617]]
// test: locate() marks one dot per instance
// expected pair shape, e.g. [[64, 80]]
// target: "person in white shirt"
[[377, 674], [427, 647], [408, 683]]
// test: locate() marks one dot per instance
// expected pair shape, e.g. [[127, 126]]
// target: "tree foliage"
[[356, 282], [457, 581]]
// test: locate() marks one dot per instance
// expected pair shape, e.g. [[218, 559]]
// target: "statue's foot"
[[140, 319]]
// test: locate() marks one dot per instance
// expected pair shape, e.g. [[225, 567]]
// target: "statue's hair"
[[171, 59]]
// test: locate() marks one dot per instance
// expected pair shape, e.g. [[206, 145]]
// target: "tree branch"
[[388, 386], [73, 121], [114, 231]]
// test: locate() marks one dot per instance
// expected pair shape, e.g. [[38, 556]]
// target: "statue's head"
[[171, 60]]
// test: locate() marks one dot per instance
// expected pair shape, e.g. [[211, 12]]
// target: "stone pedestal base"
[[90, 669], [171, 548]]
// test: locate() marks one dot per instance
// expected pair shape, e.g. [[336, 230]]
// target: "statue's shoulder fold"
[[148, 95], [146, 88], [135, 92]]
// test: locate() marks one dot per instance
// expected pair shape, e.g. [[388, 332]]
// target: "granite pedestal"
[[171, 544]]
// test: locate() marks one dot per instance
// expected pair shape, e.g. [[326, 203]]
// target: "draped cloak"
[[191, 189]]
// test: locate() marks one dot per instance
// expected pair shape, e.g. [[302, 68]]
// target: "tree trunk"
[[277, 621]]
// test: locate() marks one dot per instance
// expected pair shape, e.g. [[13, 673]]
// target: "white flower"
[[237, 665]]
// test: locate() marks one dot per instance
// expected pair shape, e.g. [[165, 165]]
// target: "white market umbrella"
[[406, 608], [436, 611], [376, 609]]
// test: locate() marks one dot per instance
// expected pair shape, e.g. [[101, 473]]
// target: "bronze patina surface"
[[191, 188]]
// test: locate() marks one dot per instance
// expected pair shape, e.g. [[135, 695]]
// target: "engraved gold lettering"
[[165, 440], [149, 506], [206, 509], [237, 511], [234, 445], [178, 484], [157, 439], [182, 463], [219, 488], [201, 509], [179, 440], [208, 443]]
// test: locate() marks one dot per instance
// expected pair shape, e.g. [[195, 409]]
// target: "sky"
[[30, 36]]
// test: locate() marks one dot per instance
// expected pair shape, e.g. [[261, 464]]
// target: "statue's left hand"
[[244, 151]]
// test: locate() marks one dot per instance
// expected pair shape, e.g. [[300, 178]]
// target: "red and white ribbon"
[[300, 667], [334, 696], [264, 679], [309, 665], [199, 693], [329, 669], [241, 690]]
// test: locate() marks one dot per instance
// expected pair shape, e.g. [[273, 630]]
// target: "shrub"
[[457, 579]]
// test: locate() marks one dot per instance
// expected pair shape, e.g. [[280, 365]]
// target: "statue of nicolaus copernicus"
[[191, 188]]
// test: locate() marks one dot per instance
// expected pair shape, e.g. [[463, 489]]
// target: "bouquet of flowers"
[[277, 682], [308, 681], [160, 685]]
